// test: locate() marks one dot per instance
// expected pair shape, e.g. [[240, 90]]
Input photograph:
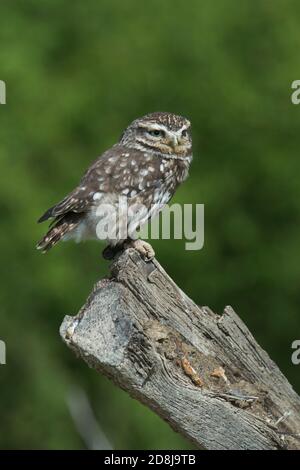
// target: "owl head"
[[163, 133]]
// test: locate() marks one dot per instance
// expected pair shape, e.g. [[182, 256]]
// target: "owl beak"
[[174, 141]]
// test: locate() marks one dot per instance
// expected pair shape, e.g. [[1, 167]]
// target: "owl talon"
[[144, 248]]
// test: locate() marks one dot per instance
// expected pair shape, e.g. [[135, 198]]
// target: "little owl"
[[144, 168]]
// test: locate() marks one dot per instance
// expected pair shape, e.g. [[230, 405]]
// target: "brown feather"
[[61, 227]]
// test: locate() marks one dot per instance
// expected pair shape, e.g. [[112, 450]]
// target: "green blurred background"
[[77, 73]]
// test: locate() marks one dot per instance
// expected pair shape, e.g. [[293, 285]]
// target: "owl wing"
[[77, 201], [120, 171]]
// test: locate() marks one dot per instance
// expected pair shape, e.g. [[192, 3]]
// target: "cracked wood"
[[201, 372]]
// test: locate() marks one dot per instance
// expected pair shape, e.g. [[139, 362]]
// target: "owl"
[[142, 170]]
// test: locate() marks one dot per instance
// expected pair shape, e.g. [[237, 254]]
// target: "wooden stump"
[[201, 372]]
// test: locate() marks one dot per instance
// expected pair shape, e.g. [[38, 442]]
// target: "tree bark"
[[201, 372]]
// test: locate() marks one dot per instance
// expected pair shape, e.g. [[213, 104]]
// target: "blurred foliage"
[[77, 73]]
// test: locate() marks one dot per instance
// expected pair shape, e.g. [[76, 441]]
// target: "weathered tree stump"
[[203, 373]]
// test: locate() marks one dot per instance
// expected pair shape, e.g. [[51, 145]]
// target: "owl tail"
[[60, 227]]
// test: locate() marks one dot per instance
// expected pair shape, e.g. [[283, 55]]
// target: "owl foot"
[[144, 248]]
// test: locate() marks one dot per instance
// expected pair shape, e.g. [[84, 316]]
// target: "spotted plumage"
[[145, 167]]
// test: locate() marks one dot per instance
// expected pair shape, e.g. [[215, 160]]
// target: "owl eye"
[[156, 133], [184, 133]]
